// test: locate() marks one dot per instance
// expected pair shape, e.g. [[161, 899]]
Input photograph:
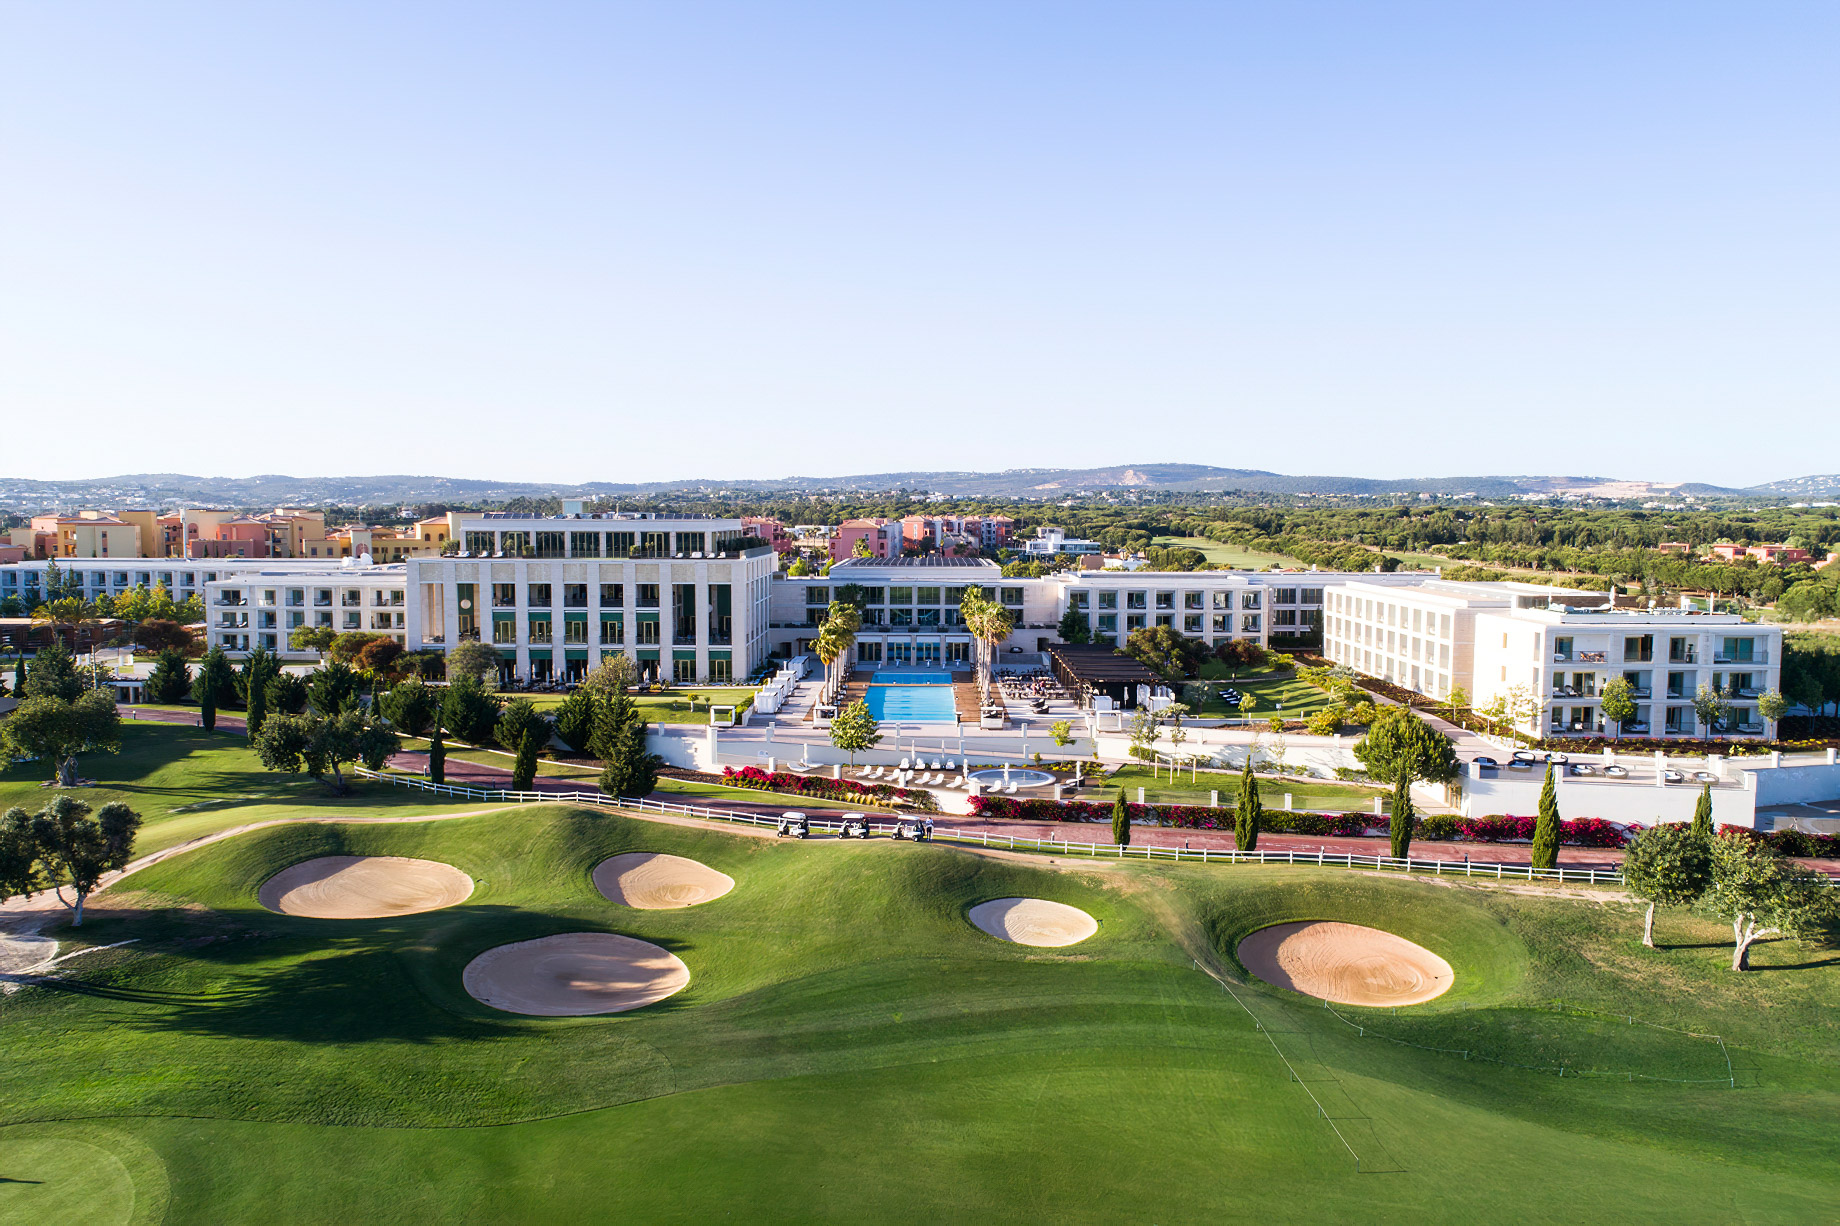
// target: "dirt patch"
[[574, 974], [656, 882], [364, 887], [1033, 921], [1346, 963]]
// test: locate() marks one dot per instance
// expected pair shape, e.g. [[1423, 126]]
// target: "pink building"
[[882, 536], [769, 530], [1780, 554]]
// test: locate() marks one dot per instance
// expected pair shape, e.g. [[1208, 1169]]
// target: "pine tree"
[[1403, 817], [1546, 828], [1251, 812], [1121, 821], [1702, 816], [216, 681], [171, 678], [258, 670]]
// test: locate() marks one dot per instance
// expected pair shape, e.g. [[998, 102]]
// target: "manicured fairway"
[[1231, 556], [186, 783], [851, 1048]]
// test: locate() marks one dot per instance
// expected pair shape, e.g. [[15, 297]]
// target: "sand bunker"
[[364, 887], [658, 882], [1034, 921], [1346, 963], [574, 974]]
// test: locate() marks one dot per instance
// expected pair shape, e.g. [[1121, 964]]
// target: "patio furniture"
[[1673, 776], [1616, 772], [1704, 777]]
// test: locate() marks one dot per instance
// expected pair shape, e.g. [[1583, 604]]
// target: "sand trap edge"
[[1259, 953], [1036, 915], [273, 890]]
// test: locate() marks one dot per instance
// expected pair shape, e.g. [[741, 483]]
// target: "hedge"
[[1581, 832], [823, 787]]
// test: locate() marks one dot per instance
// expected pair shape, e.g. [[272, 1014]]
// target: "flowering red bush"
[[823, 787]]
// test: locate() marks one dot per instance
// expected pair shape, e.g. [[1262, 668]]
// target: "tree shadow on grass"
[[333, 981]]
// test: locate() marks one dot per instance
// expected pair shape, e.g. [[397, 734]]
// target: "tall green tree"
[[1702, 816], [285, 694], [1073, 628], [57, 730], [1249, 814], [628, 768], [524, 731], [1121, 821], [320, 744], [258, 670], [1618, 700], [76, 849], [1763, 894], [575, 718], [474, 659], [411, 706], [1166, 651], [333, 688], [171, 678], [53, 675], [437, 755], [1546, 826], [214, 685], [18, 855], [1403, 818], [854, 730], [468, 711], [1666, 866]]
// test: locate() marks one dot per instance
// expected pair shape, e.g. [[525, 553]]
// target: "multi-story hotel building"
[[1555, 649], [684, 597]]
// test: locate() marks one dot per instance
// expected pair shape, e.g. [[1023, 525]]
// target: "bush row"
[[822, 787], [1790, 842], [1581, 832]]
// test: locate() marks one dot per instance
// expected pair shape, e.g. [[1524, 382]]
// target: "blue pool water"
[[921, 704], [895, 676]]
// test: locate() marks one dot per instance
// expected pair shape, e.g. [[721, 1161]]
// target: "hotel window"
[[900, 595], [683, 612], [516, 543], [692, 542], [539, 596], [1133, 621], [1249, 623], [1077, 600], [619, 544], [654, 544], [575, 630], [1312, 595], [613, 630], [1012, 596], [1191, 623], [1108, 600], [478, 542], [648, 632], [1165, 600], [354, 619], [900, 617], [295, 620], [539, 630], [574, 595], [1223, 623], [1108, 623], [1166, 619], [1194, 600], [612, 596], [1137, 600], [504, 595], [550, 544], [1249, 600], [926, 595], [818, 595], [1284, 617], [646, 595], [584, 544], [1285, 595]]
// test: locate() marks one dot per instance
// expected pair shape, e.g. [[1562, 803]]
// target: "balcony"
[[228, 600], [1690, 656]]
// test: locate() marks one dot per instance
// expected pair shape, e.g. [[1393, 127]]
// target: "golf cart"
[[855, 826], [914, 831], [795, 824]]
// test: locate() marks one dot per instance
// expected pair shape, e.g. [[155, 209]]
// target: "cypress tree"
[[1546, 828], [524, 767], [1121, 821], [19, 677], [1251, 812], [207, 709], [1702, 817], [1403, 816], [437, 756], [255, 681]]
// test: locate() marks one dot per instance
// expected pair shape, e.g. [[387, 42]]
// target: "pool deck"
[[964, 690]]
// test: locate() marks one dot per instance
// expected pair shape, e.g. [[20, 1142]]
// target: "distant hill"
[[169, 489]]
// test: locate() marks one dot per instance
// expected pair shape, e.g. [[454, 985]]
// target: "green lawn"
[[1230, 556], [1308, 793], [1300, 699], [851, 1049], [675, 707], [186, 783]]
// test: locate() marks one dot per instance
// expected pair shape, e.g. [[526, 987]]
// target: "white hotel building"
[[684, 597], [1558, 646]]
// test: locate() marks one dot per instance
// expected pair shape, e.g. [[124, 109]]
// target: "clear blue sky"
[[603, 242]]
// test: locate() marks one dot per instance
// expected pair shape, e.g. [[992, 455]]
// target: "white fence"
[[1062, 847]]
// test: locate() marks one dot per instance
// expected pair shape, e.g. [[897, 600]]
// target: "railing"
[[1007, 842]]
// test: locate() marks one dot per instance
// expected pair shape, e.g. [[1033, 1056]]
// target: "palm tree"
[[64, 611], [989, 624]]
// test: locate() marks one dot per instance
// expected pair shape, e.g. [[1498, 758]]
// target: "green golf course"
[[849, 1047]]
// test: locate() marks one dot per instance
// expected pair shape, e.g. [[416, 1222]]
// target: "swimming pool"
[[920, 704], [895, 676]]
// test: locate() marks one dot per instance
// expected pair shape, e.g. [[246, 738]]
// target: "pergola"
[[1086, 671]]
